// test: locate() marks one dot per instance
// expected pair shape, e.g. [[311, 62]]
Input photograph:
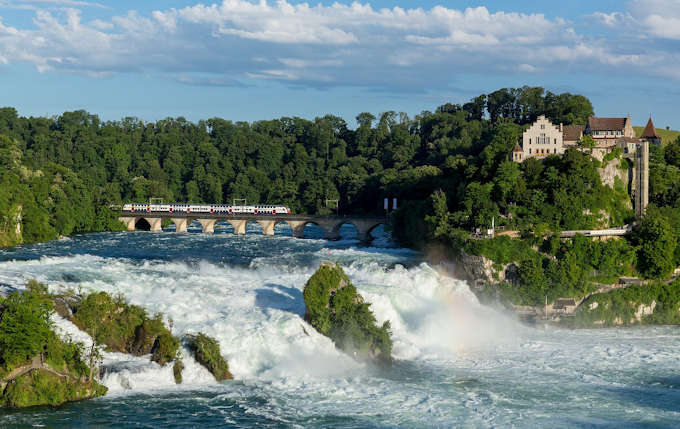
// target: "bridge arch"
[[334, 232], [142, 224], [364, 228], [257, 227], [374, 227], [286, 228], [299, 227]]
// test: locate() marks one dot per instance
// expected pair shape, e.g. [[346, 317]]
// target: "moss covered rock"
[[123, 327], [207, 352], [177, 369], [335, 308]]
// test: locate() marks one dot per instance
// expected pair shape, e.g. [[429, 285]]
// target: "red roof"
[[650, 131], [517, 148], [606, 124]]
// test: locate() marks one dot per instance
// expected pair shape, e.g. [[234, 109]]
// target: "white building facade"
[[543, 138]]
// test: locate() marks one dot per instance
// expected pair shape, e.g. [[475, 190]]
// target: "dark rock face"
[[335, 308]]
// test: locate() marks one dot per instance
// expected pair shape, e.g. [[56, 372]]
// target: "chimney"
[[561, 127]]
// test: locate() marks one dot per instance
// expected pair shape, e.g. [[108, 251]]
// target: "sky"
[[247, 60]]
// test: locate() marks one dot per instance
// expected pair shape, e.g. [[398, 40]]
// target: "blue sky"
[[251, 59]]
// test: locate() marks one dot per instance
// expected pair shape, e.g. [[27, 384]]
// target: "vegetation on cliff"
[[656, 303], [566, 194], [335, 308], [207, 352], [36, 366], [557, 267]]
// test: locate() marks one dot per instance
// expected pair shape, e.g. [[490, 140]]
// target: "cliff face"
[[10, 227], [634, 305], [480, 270], [611, 172]]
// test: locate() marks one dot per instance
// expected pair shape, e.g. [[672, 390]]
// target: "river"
[[458, 363]]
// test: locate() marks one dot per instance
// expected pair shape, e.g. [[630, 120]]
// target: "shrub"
[[207, 353]]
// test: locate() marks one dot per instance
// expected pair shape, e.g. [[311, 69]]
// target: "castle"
[[543, 138]]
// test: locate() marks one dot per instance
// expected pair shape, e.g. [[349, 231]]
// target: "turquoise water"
[[459, 364]]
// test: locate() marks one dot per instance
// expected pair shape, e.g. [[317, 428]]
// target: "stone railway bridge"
[[330, 224]]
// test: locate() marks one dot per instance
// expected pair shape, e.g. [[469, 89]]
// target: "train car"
[[206, 208]]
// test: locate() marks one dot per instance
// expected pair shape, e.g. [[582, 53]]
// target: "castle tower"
[[642, 178], [650, 133]]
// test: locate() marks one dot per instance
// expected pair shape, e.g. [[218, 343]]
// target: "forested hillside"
[[62, 171], [449, 168]]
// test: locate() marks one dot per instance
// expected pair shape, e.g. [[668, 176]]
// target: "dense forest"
[[63, 171], [449, 168]]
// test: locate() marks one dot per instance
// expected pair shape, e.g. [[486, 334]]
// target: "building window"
[[543, 126], [555, 141], [555, 150], [529, 151]]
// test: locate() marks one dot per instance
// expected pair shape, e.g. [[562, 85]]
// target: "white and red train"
[[204, 208]]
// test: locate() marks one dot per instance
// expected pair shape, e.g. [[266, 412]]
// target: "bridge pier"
[[208, 225], [298, 228], [267, 226], [129, 222], [155, 223], [239, 226], [364, 229], [180, 224]]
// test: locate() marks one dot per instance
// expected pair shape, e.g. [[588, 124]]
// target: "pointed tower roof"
[[517, 148], [650, 131]]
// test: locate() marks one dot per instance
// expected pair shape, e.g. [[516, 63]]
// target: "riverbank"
[[603, 301]]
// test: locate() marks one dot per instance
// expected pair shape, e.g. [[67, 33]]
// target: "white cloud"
[[658, 18], [321, 45], [613, 19]]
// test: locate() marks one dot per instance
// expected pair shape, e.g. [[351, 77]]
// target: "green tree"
[[657, 243]]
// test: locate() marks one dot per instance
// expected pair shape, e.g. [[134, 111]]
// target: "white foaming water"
[[458, 363], [256, 313]]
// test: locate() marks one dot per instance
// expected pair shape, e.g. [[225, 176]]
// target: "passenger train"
[[205, 208]]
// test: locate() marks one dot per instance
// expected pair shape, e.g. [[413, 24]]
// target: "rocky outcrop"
[[10, 227], [656, 303], [611, 171], [335, 308], [480, 270], [644, 310], [121, 327]]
